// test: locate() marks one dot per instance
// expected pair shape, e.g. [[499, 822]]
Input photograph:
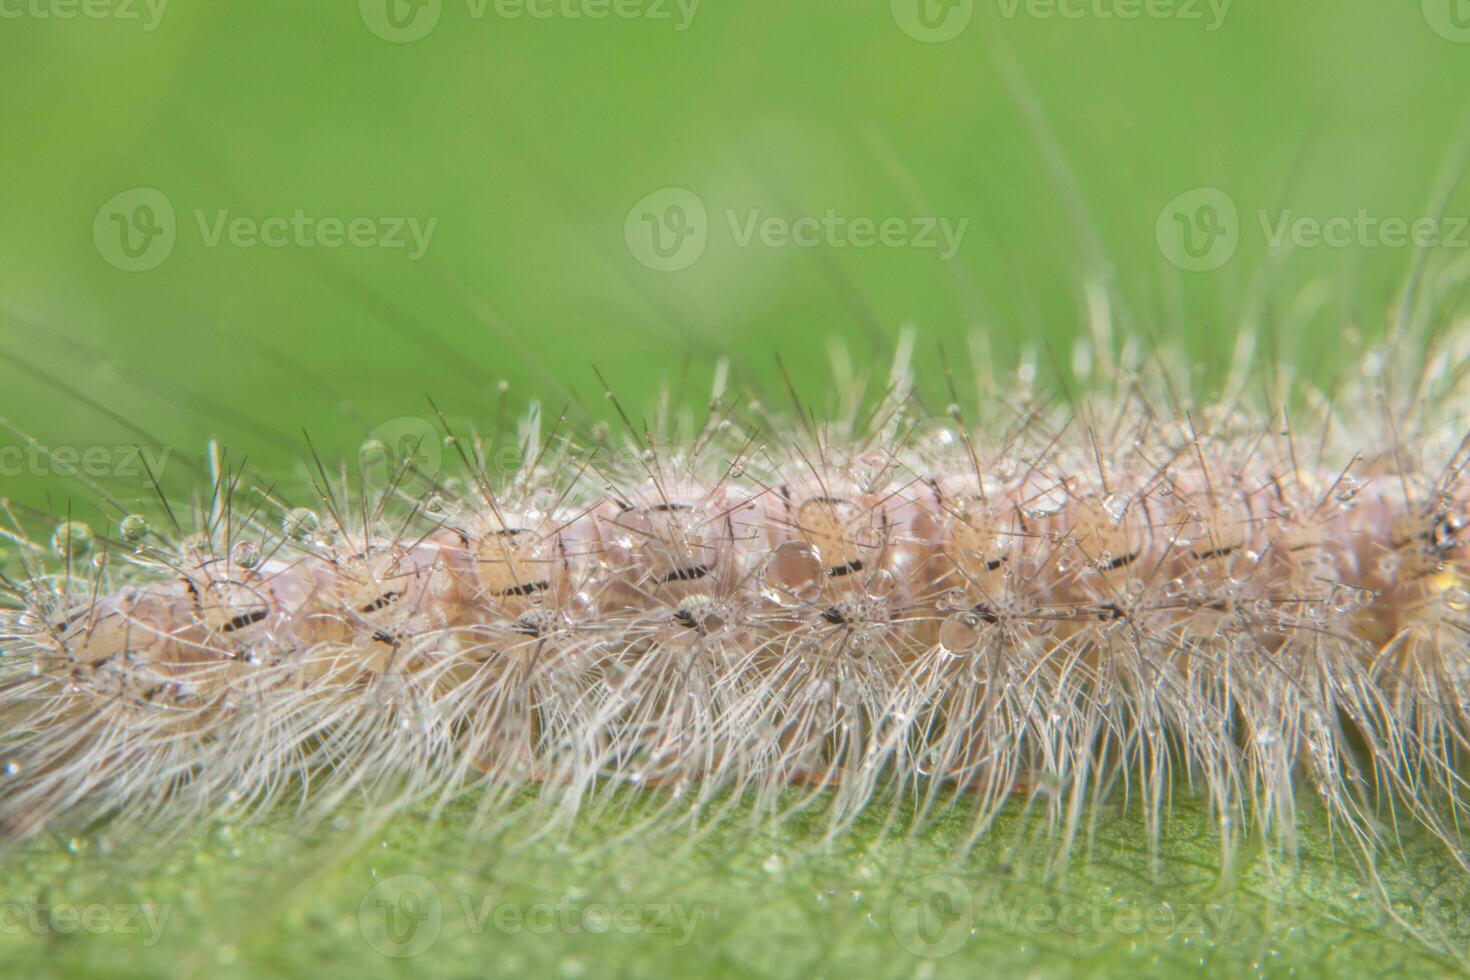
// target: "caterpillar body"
[[1058, 601]]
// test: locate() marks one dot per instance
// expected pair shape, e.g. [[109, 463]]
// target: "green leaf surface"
[[421, 892]]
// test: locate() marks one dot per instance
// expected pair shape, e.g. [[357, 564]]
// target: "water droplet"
[[299, 523], [372, 452], [133, 528], [1046, 502], [1457, 599], [794, 574], [936, 435], [880, 584], [871, 468], [582, 606], [71, 539], [247, 554], [960, 632]]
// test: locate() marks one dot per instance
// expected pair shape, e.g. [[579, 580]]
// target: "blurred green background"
[[1069, 148], [527, 141]]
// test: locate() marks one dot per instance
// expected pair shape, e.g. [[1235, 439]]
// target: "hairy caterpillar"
[[1048, 599]]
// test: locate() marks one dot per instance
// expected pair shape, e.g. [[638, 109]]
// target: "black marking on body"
[[856, 565], [686, 574], [62, 625], [834, 616], [149, 695], [381, 602], [245, 619], [525, 588], [1443, 536], [1121, 561], [986, 613]]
